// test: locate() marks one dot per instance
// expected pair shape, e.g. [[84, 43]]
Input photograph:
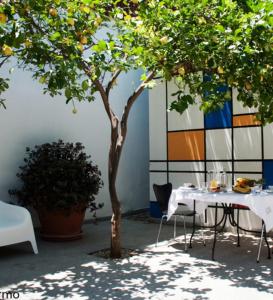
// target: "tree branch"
[[4, 60], [112, 81], [131, 101], [101, 90], [105, 99]]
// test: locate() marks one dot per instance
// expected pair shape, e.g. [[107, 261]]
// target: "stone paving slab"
[[66, 271]]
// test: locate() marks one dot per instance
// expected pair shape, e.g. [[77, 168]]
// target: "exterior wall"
[[33, 118], [183, 148]]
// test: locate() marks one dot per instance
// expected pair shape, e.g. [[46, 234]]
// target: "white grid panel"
[[268, 142], [187, 166], [238, 107], [178, 179], [158, 166], [192, 118], [247, 143], [218, 144], [157, 115], [219, 166], [249, 166]]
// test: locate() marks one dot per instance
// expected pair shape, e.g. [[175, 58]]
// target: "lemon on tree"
[[164, 40], [53, 12], [71, 22], [248, 86], [7, 50], [83, 40], [3, 18]]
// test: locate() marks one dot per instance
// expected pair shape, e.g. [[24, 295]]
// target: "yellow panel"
[[245, 120], [186, 145]]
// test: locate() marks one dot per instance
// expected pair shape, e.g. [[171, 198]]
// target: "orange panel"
[[245, 120], [186, 145]]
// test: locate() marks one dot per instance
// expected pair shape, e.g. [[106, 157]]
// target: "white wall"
[[33, 118]]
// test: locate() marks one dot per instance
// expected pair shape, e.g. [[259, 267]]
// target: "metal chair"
[[162, 194]]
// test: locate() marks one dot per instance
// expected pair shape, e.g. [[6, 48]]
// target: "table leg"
[[215, 233], [225, 215], [193, 225]]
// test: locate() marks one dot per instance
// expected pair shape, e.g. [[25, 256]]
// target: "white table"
[[261, 204]]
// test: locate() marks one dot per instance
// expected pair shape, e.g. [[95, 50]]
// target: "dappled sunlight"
[[166, 271]]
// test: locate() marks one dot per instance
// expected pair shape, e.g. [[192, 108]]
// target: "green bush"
[[58, 176]]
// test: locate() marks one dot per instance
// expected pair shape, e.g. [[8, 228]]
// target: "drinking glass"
[[204, 186], [257, 188]]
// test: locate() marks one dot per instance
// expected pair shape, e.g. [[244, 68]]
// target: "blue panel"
[[223, 117], [268, 172], [220, 118], [155, 211]]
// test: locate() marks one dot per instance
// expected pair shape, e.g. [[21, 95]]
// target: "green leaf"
[[55, 36], [85, 85], [101, 45]]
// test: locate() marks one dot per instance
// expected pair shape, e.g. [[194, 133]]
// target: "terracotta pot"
[[61, 225]]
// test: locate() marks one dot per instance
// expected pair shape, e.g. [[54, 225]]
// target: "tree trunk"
[[118, 135], [114, 157]]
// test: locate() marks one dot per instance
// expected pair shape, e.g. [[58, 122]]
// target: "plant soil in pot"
[[60, 182]]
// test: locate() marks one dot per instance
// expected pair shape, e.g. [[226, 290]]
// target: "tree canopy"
[[70, 44], [232, 41]]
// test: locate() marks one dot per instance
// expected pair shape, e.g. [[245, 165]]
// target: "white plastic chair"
[[16, 226]]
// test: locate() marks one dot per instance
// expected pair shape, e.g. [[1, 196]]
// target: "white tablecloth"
[[261, 204]]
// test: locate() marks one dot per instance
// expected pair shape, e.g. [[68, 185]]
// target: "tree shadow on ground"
[[238, 264], [144, 276], [158, 273]]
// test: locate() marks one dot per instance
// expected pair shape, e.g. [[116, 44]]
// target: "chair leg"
[[174, 228], [159, 229], [32, 240], [34, 246], [185, 234], [202, 231], [238, 232]]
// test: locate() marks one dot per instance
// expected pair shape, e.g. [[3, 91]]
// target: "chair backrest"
[[162, 194]]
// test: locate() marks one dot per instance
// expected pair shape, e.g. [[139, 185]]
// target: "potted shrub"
[[60, 182]]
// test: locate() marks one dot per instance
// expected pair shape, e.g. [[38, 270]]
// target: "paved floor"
[[66, 271]]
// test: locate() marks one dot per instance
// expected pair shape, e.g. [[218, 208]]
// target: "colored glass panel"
[[268, 172], [245, 120], [186, 145], [220, 118]]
